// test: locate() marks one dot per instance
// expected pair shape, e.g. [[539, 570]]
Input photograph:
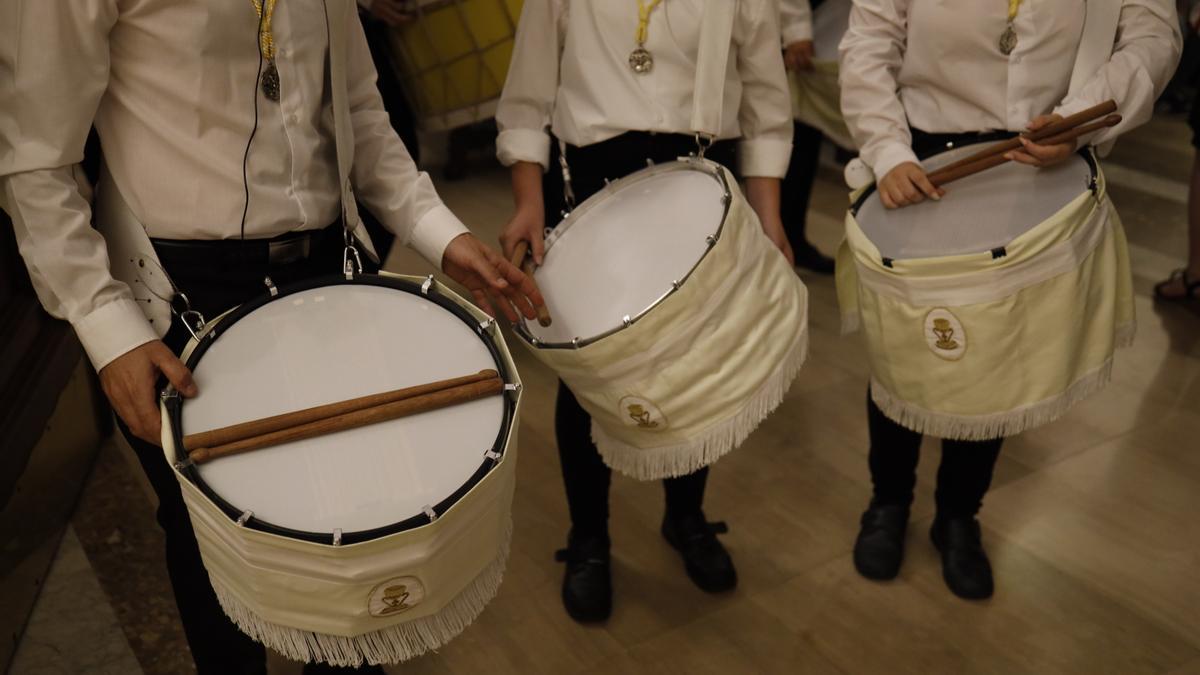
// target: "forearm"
[[527, 188], [763, 194], [69, 265]]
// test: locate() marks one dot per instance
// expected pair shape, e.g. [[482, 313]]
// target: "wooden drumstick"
[[357, 418], [950, 174], [1053, 129], [522, 261], [237, 432]]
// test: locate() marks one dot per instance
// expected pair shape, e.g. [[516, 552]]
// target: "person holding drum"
[[236, 137], [796, 17], [603, 89], [918, 78]]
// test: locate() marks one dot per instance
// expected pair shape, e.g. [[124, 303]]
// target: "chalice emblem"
[[945, 335], [395, 599], [641, 416]]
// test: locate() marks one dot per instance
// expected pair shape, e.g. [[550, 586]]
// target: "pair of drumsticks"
[[326, 419], [350, 414], [1063, 131]]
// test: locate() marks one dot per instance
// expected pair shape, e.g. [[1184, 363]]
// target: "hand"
[[128, 382], [773, 228], [480, 268], [907, 184], [1036, 154], [526, 225], [799, 55], [391, 12]]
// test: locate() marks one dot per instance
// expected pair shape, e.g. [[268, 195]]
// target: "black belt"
[[282, 250], [926, 144]]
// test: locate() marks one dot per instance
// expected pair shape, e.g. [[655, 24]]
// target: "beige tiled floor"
[[1091, 523]]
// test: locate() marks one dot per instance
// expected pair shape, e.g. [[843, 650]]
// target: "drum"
[[676, 322], [453, 58], [374, 544], [995, 309], [816, 95]]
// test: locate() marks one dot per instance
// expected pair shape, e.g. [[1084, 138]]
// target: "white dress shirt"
[[171, 89], [936, 66], [570, 72], [795, 20]]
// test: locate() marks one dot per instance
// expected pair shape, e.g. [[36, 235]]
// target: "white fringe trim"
[[986, 427], [395, 644], [716, 441]]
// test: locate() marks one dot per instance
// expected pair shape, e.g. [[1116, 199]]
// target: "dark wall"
[[37, 356]]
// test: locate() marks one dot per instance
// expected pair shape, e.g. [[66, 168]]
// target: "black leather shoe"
[[965, 566], [808, 257], [587, 584], [879, 549], [706, 560]]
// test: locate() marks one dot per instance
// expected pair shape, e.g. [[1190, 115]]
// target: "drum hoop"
[[691, 163], [491, 460]]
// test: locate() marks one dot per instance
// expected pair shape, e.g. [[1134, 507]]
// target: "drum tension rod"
[[245, 517], [887, 262], [492, 455], [337, 536], [999, 252], [432, 515], [426, 285], [270, 286]]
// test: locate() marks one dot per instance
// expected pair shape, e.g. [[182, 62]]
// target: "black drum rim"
[[174, 408]]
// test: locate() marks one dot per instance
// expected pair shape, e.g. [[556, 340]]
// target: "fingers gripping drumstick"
[[960, 170], [523, 262]]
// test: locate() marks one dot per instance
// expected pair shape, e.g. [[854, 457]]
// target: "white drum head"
[[329, 344], [621, 250], [979, 213]]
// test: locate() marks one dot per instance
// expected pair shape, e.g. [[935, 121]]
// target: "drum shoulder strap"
[[712, 62], [337, 17]]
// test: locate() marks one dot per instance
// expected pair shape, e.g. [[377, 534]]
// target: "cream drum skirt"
[[677, 323], [374, 544], [816, 95], [995, 309]]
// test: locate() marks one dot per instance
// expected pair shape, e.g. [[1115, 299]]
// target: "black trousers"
[[797, 186], [585, 475], [215, 281], [964, 475]]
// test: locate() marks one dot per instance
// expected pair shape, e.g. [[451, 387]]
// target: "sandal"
[[1190, 286]]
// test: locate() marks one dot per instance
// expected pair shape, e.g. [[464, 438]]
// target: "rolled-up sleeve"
[[1145, 55], [795, 20], [54, 68], [386, 179], [870, 57], [527, 102], [765, 111]]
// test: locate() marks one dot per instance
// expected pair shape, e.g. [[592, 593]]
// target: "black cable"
[[254, 130]]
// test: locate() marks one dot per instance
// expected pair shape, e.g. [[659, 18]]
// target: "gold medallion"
[[1008, 40], [641, 61]]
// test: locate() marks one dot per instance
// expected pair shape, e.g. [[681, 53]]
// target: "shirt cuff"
[[113, 329], [892, 156], [434, 232], [763, 157], [523, 145], [797, 32]]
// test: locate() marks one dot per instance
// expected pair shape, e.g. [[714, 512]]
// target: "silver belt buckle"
[[289, 251]]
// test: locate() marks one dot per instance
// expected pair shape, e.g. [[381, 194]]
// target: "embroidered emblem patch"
[[640, 413], [945, 335], [394, 596]]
